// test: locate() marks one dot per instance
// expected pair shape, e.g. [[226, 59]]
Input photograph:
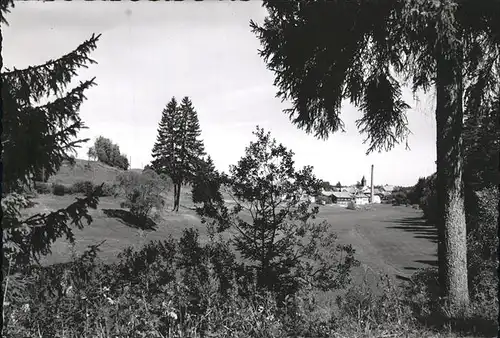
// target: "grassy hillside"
[[83, 170]]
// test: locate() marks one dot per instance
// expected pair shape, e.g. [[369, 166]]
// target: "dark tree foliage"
[[178, 148], [482, 145], [164, 149], [206, 184], [108, 153], [38, 137], [272, 222], [45, 132], [193, 148], [4, 9], [370, 50], [325, 185], [416, 192]]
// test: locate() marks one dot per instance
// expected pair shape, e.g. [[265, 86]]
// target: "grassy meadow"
[[391, 243], [388, 239]]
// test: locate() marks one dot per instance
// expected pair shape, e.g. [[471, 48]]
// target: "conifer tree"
[[178, 148], [194, 147], [37, 137], [165, 149], [207, 183]]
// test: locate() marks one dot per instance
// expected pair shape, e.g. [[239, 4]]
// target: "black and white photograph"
[[261, 169]]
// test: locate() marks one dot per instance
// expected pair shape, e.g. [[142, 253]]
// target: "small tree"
[[325, 185], [280, 242], [207, 183], [143, 191], [109, 153], [91, 153], [339, 185]]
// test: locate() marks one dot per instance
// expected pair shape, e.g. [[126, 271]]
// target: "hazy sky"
[[149, 52]]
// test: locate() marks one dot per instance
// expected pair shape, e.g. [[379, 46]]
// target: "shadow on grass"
[[416, 225], [127, 218]]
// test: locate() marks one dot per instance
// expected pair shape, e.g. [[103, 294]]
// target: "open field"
[[387, 239]]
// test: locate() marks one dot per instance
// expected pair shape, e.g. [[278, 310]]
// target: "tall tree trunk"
[[178, 198], [175, 196], [452, 245]]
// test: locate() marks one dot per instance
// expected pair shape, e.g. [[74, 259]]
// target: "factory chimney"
[[371, 191]]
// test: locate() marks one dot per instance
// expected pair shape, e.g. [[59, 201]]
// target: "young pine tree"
[[206, 186], [273, 227]]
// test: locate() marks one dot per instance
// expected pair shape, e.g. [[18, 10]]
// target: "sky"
[[151, 51]]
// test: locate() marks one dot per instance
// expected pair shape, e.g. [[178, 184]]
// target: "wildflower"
[[105, 289], [26, 307], [111, 301], [260, 309], [69, 291], [172, 315], [13, 318]]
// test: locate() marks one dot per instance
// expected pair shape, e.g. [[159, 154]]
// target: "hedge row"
[[80, 187]]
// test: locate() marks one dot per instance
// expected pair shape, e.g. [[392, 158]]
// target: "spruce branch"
[[52, 77]]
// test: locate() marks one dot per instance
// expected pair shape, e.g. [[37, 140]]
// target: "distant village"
[[357, 194]]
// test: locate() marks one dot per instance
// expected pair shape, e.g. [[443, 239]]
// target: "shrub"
[[83, 187], [399, 198], [428, 201], [322, 200], [351, 205], [143, 191], [60, 189], [42, 188], [482, 248], [108, 189]]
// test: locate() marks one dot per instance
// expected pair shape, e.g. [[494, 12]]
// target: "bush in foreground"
[[181, 288]]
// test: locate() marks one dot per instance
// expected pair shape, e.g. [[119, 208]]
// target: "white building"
[[361, 199]]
